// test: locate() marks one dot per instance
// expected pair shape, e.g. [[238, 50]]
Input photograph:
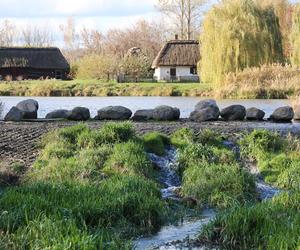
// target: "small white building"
[[177, 61]]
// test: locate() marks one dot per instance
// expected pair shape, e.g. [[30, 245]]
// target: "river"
[[185, 104]]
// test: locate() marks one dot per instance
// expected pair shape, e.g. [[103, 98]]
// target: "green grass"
[[156, 143], [96, 88], [270, 225], [95, 185], [211, 173], [277, 158]]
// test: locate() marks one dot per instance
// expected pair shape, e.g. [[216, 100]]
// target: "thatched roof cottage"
[[33, 63], [177, 60]]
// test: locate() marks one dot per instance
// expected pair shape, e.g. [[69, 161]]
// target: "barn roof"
[[178, 53], [38, 58]]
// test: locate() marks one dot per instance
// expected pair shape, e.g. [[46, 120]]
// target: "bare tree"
[[33, 36], [92, 40], [185, 14], [8, 33], [69, 34]]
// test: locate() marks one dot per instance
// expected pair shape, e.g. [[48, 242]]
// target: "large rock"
[[206, 114], [14, 115], [283, 114], [59, 114], [234, 113], [80, 114], [114, 113], [209, 103], [166, 113], [255, 114], [143, 115], [29, 108], [206, 110]]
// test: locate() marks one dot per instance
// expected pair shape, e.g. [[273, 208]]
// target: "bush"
[[155, 143], [97, 67], [217, 185], [270, 225], [236, 35]]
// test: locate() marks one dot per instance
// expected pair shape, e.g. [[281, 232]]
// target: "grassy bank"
[[273, 224], [96, 88]]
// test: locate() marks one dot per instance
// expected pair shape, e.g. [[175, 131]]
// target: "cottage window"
[[193, 70]]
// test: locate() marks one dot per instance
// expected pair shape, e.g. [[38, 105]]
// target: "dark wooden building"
[[33, 63]]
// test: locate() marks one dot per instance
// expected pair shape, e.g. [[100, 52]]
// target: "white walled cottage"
[[177, 60]]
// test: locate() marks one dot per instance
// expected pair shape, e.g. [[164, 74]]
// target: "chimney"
[[176, 37]]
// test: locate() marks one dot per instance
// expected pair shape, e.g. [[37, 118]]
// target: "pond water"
[[185, 104]]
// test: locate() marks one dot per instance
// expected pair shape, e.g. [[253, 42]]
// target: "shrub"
[[129, 158], [209, 137], [155, 143], [97, 67], [218, 185], [236, 35], [270, 225]]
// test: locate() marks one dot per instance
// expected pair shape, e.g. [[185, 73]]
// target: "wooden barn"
[[177, 60], [32, 63]]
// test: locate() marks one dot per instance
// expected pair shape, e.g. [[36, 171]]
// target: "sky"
[[100, 14]]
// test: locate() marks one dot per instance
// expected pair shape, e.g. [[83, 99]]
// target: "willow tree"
[[295, 37], [238, 34]]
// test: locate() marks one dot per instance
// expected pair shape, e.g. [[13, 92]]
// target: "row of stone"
[[206, 110]]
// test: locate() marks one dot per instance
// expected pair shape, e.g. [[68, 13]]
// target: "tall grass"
[[95, 185], [277, 158], [211, 173], [270, 225], [264, 82]]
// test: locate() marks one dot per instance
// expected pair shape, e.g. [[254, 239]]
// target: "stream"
[[172, 237]]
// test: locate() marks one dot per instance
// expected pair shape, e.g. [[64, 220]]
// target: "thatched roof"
[[38, 58], [178, 53]]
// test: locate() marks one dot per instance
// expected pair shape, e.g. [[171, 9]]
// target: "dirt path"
[[19, 141]]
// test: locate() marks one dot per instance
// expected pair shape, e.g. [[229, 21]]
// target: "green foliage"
[[182, 137], [129, 158], [155, 142], [295, 36], [95, 66], [238, 34], [127, 200], [277, 159], [270, 225], [211, 173], [218, 185]]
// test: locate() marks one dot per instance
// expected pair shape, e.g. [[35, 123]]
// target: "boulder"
[[209, 103], [234, 113], [255, 114], [283, 114], [114, 113], [143, 115], [59, 114], [29, 108], [14, 115], [80, 114], [206, 110], [205, 114], [166, 113]]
